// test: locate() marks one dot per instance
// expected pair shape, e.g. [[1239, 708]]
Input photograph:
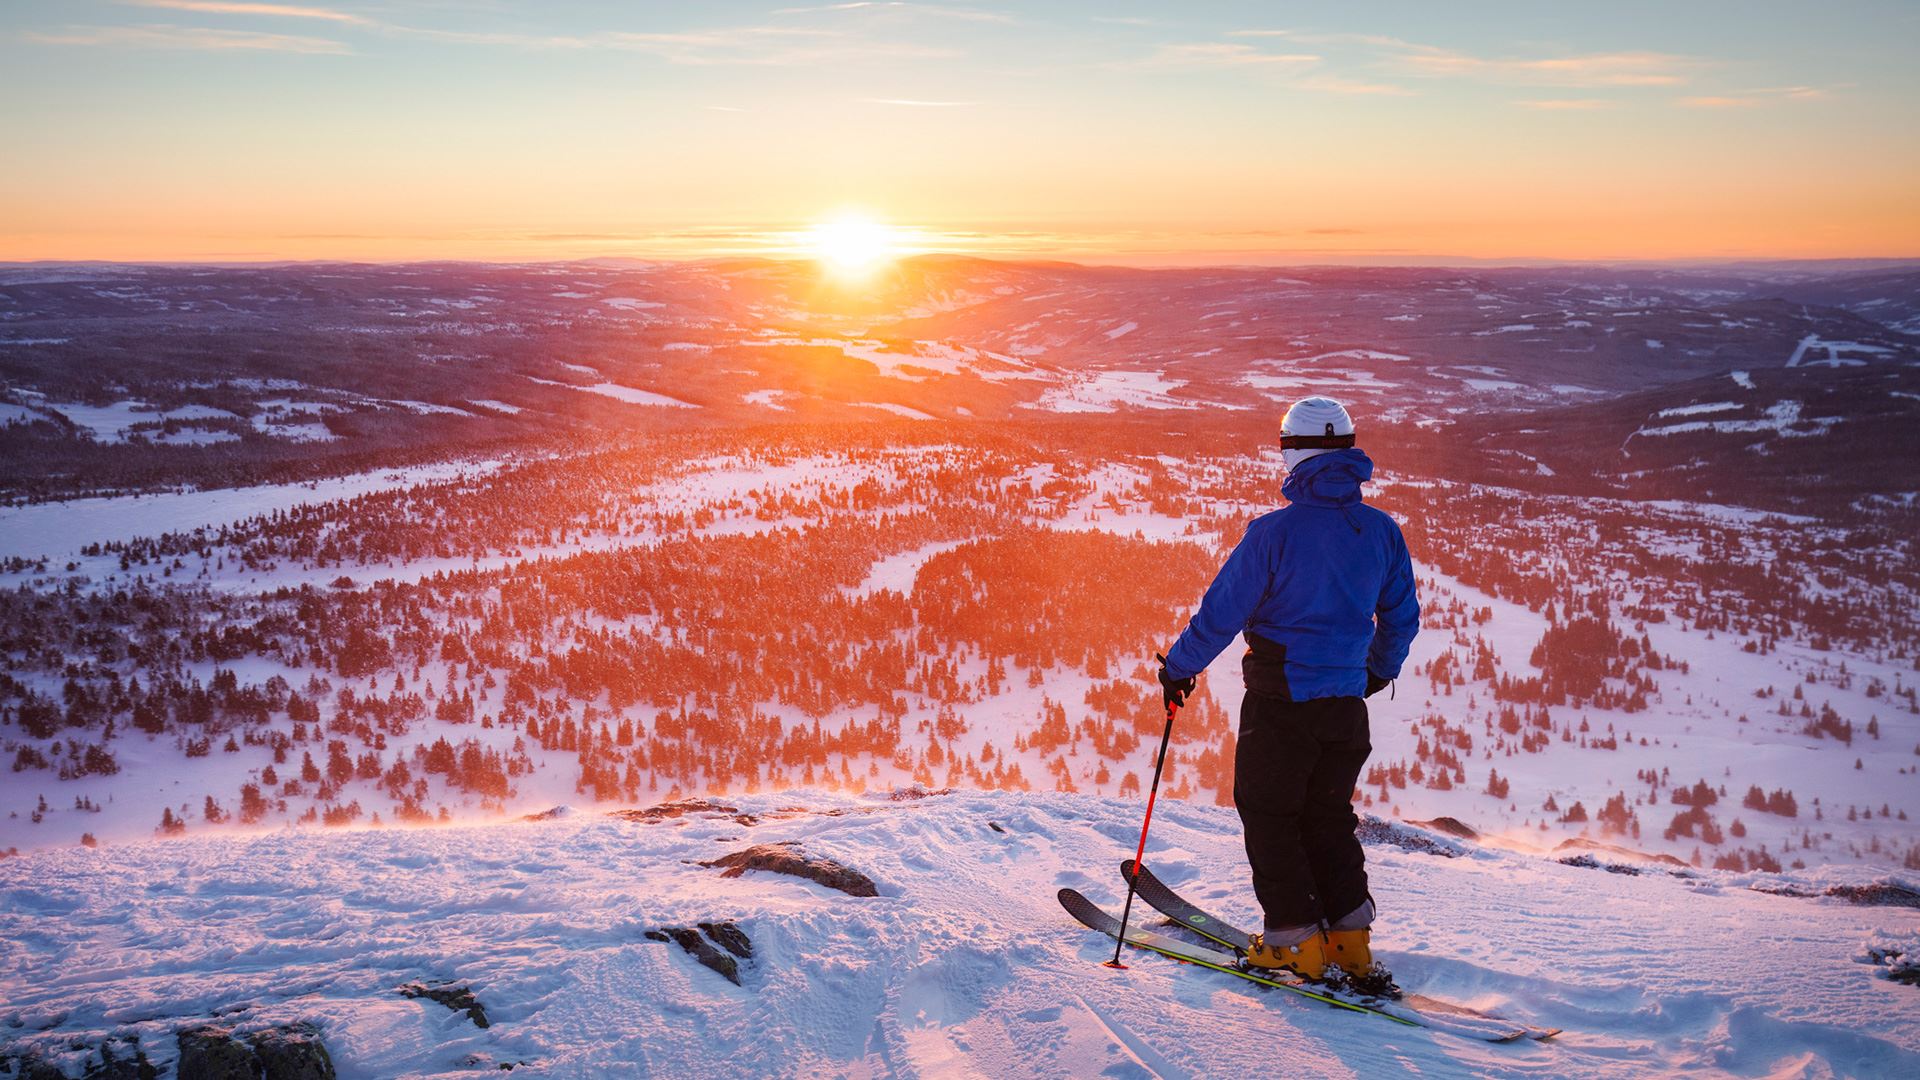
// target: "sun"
[[852, 245]]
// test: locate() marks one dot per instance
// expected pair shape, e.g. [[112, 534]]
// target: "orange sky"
[[200, 129]]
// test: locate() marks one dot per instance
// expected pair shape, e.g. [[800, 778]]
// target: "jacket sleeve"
[[1397, 616], [1229, 603]]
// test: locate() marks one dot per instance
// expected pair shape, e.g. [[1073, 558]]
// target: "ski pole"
[[1133, 879]]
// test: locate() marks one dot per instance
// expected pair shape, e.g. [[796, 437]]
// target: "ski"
[[1095, 917], [1184, 912]]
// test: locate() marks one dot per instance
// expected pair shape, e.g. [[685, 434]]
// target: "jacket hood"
[[1331, 479]]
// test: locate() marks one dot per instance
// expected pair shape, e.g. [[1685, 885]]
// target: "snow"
[[112, 423], [964, 965], [1343, 354], [1696, 410], [897, 410], [897, 572], [1742, 379], [1835, 353], [1107, 391], [56, 530], [617, 392], [11, 413], [1781, 418], [1328, 381], [769, 399], [1122, 330], [628, 303], [496, 406], [1511, 328], [429, 407], [192, 437]]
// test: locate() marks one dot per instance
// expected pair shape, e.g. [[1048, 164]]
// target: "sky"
[[1184, 133]]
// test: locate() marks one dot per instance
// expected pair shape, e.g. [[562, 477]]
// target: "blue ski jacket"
[[1322, 587]]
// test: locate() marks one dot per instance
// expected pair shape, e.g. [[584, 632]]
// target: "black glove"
[[1174, 691], [1375, 684]]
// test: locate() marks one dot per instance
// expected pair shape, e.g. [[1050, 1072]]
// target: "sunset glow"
[[852, 246], [1222, 134]]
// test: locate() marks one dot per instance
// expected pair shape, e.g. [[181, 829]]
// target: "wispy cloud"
[[945, 10], [773, 46], [1222, 54], [186, 37], [725, 108], [1309, 38], [1749, 99], [237, 7], [1590, 69], [918, 104], [1625, 68], [1566, 104], [1340, 84]]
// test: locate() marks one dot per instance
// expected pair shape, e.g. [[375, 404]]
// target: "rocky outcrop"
[[457, 998], [700, 945], [212, 1052], [787, 858]]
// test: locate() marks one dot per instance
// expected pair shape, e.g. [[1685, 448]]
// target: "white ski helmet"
[[1314, 426]]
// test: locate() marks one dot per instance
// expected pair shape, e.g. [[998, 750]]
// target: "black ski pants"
[[1293, 778]]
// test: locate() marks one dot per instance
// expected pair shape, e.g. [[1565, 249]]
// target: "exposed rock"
[[1450, 826], [786, 858], [730, 937], [453, 997], [700, 949], [127, 1063], [211, 1052], [1581, 843], [914, 793], [115, 1059], [1373, 830], [31, 1066], [291, 1053], [684, 807], [1878, 894], [1591, 863]]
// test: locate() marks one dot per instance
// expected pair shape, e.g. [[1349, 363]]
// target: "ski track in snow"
[[963, 965]]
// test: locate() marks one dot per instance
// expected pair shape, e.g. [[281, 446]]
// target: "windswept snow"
[[964, 965], [1836, 353], [57, 530], [1696, 410], [1107, 391], [113, 423], [1781, 418], [617, 392], [896, 409]]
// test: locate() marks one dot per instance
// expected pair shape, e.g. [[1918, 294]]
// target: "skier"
[[1323, 590]]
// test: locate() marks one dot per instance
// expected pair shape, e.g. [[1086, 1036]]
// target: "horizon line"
[[1416, 262]]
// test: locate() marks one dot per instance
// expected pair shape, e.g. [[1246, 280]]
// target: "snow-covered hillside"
[[962, 965]]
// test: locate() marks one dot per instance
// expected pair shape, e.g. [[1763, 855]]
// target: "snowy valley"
[[317, 582]]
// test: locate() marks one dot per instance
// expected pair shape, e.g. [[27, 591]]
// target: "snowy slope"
[[963, 965]]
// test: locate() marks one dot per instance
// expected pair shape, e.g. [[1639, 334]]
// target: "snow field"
[[963, 965]]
